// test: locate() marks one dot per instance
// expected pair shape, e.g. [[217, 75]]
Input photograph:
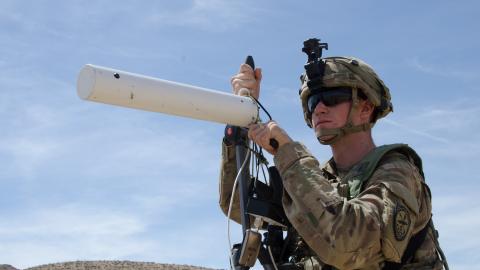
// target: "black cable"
[[264, 175], [273, 142], [263, 108]]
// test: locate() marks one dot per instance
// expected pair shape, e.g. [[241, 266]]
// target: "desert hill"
[[107, 265]]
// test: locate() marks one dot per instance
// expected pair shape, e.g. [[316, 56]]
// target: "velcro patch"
[[401, 222]]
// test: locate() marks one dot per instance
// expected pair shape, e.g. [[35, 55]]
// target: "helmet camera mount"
[[315, 66]]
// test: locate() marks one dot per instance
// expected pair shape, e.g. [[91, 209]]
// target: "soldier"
[[368, 207]]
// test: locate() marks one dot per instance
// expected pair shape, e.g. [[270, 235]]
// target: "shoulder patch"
[[401, 222]]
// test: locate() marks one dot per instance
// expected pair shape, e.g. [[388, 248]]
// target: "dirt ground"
[[108, 265]]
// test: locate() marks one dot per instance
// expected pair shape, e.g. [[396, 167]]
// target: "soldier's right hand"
[[247, 81]]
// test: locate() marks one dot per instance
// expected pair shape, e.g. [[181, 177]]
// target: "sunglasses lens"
[[334, 97], [329, 98], [312, 102]]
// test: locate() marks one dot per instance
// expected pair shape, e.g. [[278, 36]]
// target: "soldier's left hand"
[[261, 134]]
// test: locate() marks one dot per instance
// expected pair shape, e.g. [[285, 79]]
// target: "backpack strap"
[[362, 172]]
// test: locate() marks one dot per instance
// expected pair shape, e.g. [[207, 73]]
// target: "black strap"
[[412, 246]]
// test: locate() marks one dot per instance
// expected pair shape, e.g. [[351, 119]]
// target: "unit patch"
[[401, 222]]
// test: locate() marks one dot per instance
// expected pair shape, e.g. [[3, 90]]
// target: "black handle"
[[274, 144], [249, 61]]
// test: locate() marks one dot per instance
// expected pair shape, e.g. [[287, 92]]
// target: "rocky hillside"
[[108, 265]]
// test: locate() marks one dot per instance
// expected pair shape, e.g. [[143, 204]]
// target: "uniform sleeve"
[[228, 172], [347, 234]]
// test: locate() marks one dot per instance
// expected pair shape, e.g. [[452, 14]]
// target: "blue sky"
[[86, 181]]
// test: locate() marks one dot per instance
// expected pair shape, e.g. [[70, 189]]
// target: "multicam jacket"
[[349, 232]]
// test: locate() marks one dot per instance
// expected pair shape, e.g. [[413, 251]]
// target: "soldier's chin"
[[326, 138]]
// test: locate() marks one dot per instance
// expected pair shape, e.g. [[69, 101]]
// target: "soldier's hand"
[[247, 81], [261, 134]]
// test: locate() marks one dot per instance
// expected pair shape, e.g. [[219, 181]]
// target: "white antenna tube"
[[106, 85]]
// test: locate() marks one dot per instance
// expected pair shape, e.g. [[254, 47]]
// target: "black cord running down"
[[273, 142], [263, 108]]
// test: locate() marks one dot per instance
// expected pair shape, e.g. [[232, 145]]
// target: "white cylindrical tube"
[[126, 89]]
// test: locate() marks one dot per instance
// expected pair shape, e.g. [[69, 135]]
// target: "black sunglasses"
[[329, 97]]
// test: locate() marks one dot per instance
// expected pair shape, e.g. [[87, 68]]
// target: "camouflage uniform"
[[366, 217], [349, 233]]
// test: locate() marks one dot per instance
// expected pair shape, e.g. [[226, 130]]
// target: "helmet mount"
[[315, 66]]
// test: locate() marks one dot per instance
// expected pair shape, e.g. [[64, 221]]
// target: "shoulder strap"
[[361, 172]]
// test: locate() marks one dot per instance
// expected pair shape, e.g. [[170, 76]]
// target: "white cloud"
[[445, 130], [457, 219], [458, 115], [415, 131], [137, 152], [72, 221], [211, 15], [27, 154], [69, 232], [282, 96], [445, 70], [190, 243], [78, 232]]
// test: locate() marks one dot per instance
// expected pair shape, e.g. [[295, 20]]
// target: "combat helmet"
[[322, 74]]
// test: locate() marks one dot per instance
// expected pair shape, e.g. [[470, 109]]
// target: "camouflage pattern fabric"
[[361, 233], [228, 172]]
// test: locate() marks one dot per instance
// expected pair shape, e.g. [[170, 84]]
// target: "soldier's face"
[[326, 117]]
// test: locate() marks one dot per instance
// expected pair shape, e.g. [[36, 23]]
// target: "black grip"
[[274, 144], [249, 61]]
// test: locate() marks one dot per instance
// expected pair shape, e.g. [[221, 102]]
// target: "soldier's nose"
[[320, 108]]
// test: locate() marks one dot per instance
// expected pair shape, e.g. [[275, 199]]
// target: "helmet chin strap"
[[348, 128]]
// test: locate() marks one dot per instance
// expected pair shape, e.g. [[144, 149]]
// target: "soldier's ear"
[[366, 110]]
